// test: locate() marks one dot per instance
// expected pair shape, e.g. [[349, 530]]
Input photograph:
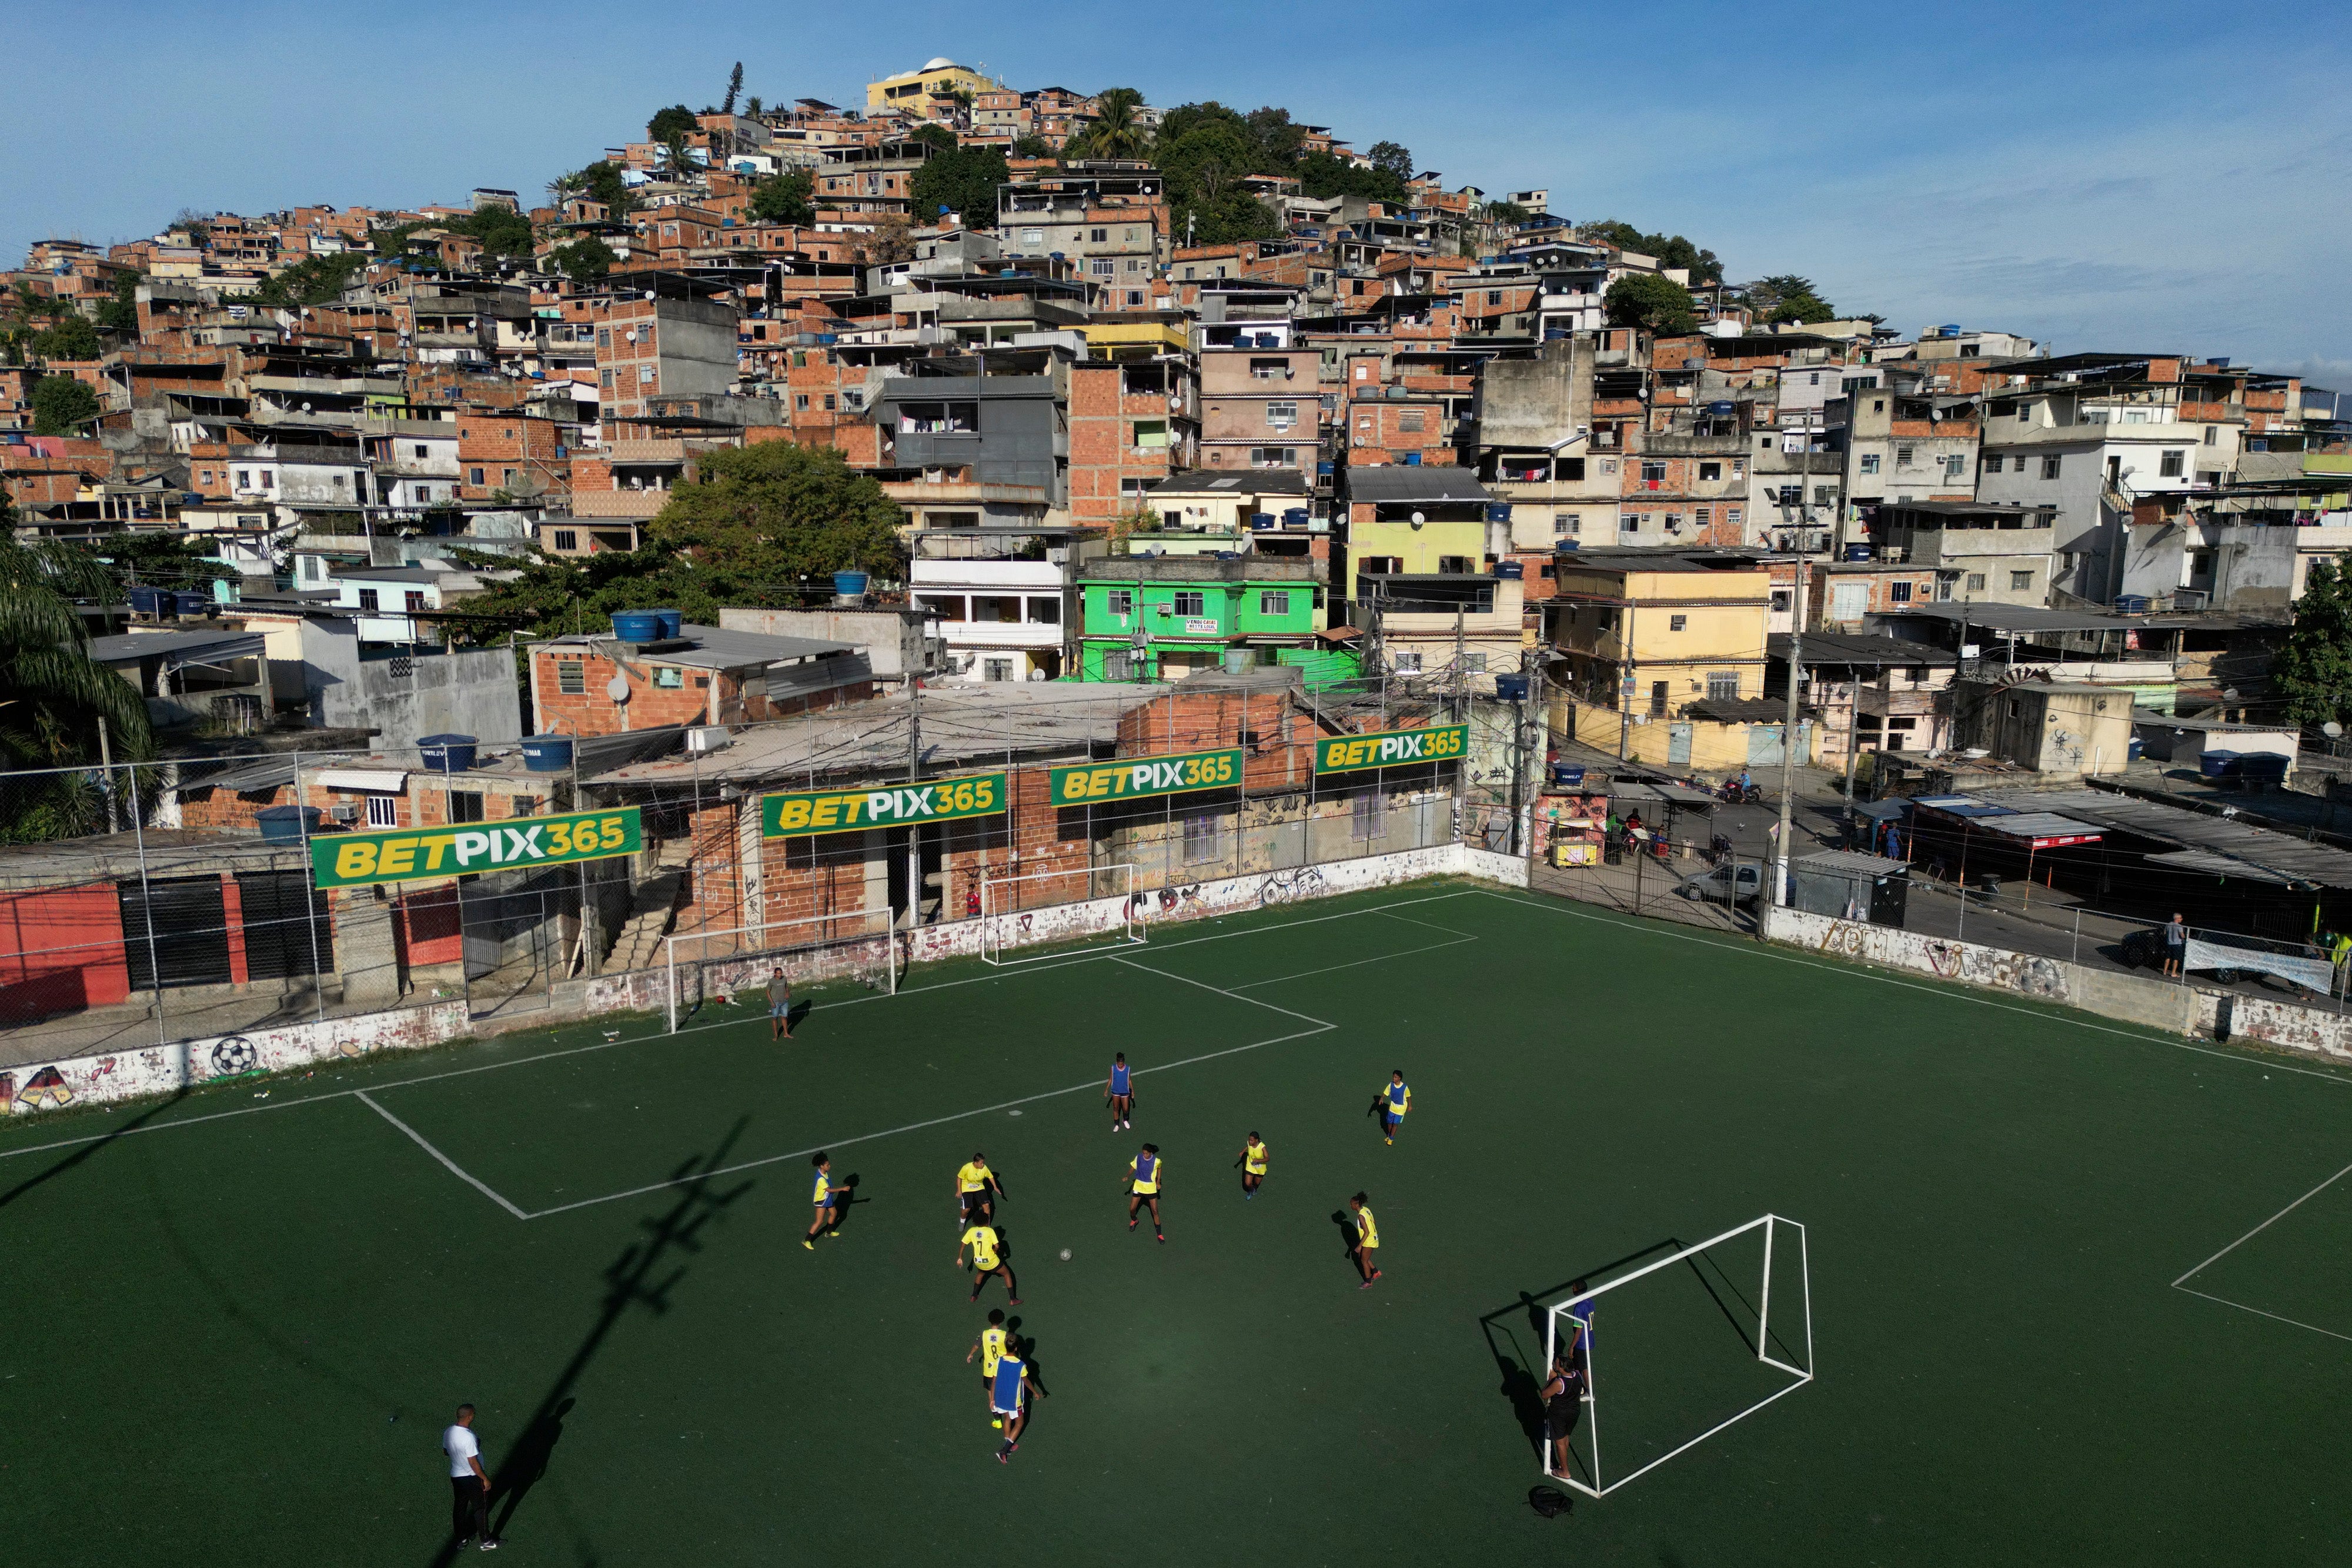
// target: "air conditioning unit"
[[345, 813], [707, 738]]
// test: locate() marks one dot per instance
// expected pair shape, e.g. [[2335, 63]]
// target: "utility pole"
[[1789, 731]]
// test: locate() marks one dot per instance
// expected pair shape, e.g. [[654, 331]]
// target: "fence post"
[[2078, 933], [146, 901]]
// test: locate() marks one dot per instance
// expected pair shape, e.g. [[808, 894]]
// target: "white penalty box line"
[[2182, 1285], [1319, 1027]]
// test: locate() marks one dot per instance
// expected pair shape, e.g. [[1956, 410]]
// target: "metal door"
[[286, 934], [1678, 745], [188, 921], [511, 925], [1764, 745]]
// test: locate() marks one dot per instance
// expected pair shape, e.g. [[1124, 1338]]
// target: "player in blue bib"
[[1008, 1397], [1120, 1092], [1394, 1099]]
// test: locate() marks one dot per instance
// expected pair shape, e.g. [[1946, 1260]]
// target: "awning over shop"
[[370, 780]]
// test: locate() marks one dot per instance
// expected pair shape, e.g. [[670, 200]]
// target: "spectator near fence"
[[2175, 948]]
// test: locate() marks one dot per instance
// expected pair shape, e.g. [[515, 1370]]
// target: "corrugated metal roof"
[[2319, 864]]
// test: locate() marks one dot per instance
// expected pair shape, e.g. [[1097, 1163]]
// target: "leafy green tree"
[[314, 280], [602, 181], [168, 561], [1033, 146], [676, 121], [1204, 168], [1186, 118], [1510, 212], [1118, 130], [785, 198], [584, 260], [55, 693], [2312, 672], [938, 138], [1651, 300], [1786, 297], [1672, 250], [62, 405], [120, 313], [1277, 138], [1323, 175], [502, 231], [70, 336], [964, 180], [1390, 159], [775, 513]]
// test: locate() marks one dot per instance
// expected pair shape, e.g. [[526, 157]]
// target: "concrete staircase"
[[639, 944]]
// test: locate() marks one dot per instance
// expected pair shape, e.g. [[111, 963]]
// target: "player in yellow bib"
[[1145, 1171], [1252, 1164], [987, 1262], [990, 1347], [829, 1199], [977, 1192], [1368, 1240]]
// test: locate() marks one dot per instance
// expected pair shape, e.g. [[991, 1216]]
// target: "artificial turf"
[[237, 1340]]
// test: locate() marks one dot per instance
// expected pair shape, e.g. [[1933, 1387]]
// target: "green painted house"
[[1150, 618]]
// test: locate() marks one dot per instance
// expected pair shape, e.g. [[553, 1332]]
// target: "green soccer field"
[[237, 1324]]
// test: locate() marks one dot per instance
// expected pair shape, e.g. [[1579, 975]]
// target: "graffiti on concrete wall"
[[1970, 963]]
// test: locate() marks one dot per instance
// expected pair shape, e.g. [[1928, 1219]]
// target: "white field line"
[[2265, 1225], [455, 1169], [650, 1039]]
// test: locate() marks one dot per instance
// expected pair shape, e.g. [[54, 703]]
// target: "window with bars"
[[1200, 837], [1368, 815], [383, 810]]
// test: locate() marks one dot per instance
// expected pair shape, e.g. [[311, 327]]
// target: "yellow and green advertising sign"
[[883, 806], [1390, 749], [1131, 776], [524, 843]]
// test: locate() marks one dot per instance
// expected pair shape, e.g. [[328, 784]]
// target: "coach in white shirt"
[[470, 1515]]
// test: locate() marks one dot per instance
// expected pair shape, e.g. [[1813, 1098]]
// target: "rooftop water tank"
[[547, 753], [286, 824], [156, 601], [673, 623], [446, 753], [637, 625]]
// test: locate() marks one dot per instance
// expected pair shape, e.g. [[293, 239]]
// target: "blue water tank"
[[2217, 764], [546, 753], [1722, 409], [2132, 605], [1413, 459], [1293, 516], [156, 602], [1568, 775], [1951, 328], [286, 824], [673, 622], [446, 753], [1510, 570], [1261, 519], [1511, 688], [192, 603], [1498, 511], [637, 625], [850, 584], [1858, 552]]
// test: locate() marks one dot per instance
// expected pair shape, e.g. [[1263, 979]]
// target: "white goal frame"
[[1555, 1314], [996, 918], [778, 941]]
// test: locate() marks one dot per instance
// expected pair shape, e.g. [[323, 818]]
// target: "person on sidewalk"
[[470, 1514], [2175, 948]]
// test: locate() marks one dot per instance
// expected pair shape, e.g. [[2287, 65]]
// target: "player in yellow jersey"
[[1368, 1240], [977, 1192], [1145, 1171], [1252, 1164], [987, 1260], [991, 1349], [829, 1199]]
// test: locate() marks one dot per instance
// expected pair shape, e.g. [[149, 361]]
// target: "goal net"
[[733, 967], [1058, 906], [1678, 1349]]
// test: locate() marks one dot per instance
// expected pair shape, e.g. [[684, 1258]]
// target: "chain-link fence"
[[260, 885]]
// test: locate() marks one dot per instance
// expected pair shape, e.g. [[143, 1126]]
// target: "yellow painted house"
[[908, 90], [1659, 655]]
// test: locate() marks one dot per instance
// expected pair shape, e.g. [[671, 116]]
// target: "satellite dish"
[[1418, 519], [617, 689], [2332, 730]]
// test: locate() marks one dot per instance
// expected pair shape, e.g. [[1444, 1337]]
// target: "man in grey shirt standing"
[[470, 1514], [780, 1006]]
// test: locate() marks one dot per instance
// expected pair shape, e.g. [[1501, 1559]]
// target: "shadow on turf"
[[1522, 1370], [91, 1148], [641, 1276]]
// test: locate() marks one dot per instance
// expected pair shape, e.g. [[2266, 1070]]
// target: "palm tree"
[[678, 154], [1117, 131], [52, 694]]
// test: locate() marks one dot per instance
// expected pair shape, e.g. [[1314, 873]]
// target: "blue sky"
[[2149, 176]]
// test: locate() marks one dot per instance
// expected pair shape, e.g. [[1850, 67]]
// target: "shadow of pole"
[[91, 1148], [641, 1276]]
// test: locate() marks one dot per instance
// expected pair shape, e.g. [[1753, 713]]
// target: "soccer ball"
[[1065, 1254]]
